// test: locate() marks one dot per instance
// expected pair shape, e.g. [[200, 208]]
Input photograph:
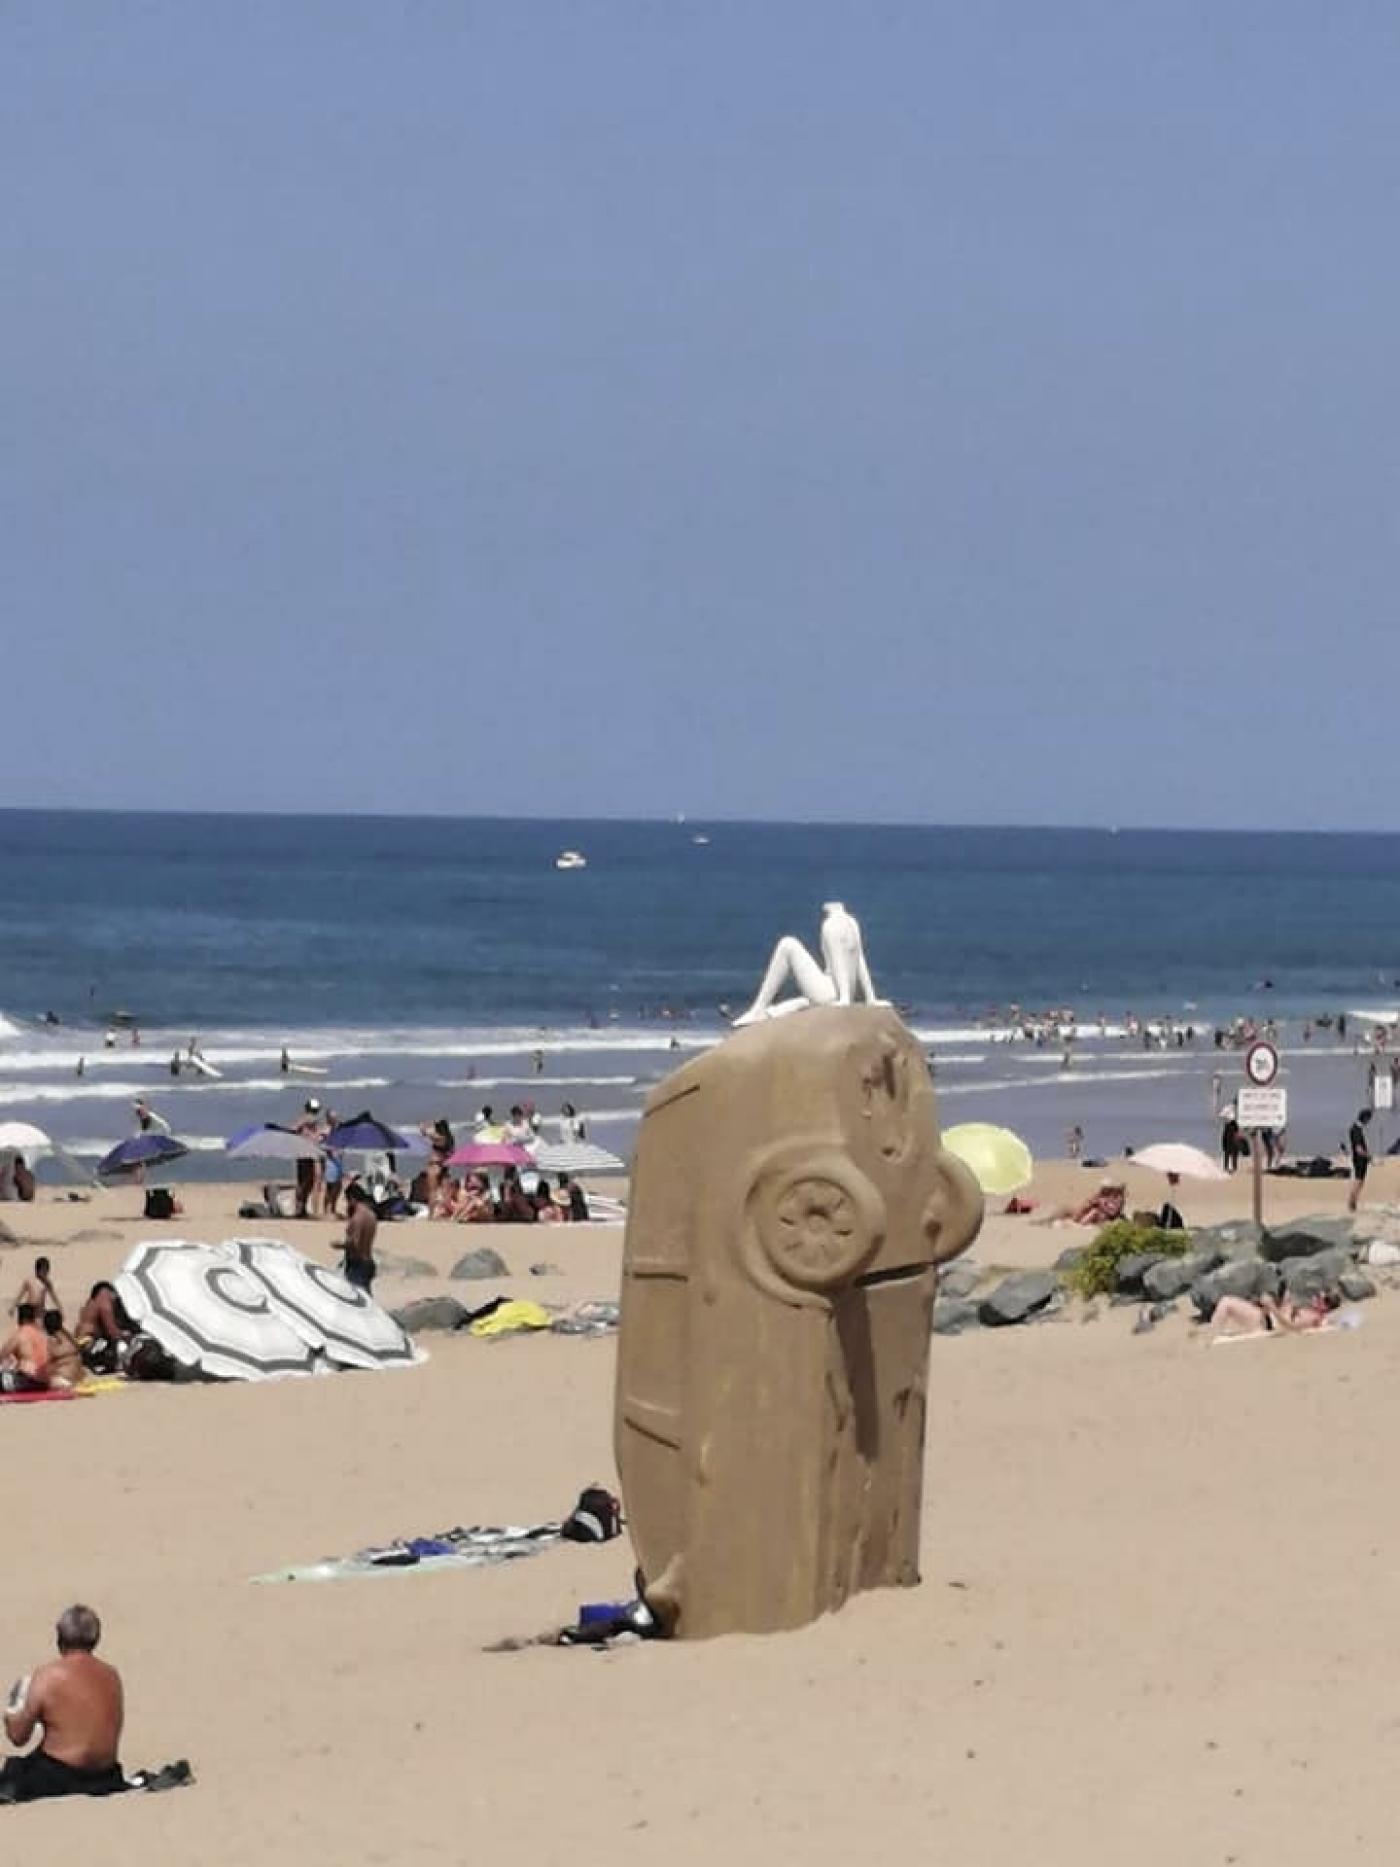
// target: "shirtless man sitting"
[[24, 1357], [103, 1329], [77, 1702]]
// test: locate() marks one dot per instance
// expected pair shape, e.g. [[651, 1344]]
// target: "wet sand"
[[1155, 1622]]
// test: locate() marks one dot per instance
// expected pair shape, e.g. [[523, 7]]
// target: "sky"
[[889, 412]]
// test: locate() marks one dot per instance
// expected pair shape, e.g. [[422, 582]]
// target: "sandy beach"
[[1153, 1621]]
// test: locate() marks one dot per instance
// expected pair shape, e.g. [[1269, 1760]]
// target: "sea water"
[[422, 962]]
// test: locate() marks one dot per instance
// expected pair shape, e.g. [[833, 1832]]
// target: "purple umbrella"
[[142, 1150], [362, 1134], [270, 1141]]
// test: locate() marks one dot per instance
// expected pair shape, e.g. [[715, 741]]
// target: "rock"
[[1314, 1276], [483, 1262], [1069, 1257], [1131, 1268], [1151, 1316], [951, 1315], [545, 1270], [431, 1313], [1234, 1239], [1170, 1277], [405, 1266], [960, 1278], [1017, 1297], [1355, 1286], [1305, 1239], [7, 1237], [1241, 1277]]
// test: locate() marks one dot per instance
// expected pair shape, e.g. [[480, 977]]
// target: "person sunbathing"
[[1103, 1208], [444, 1204], [24, 1356], [474, 1205], [76, 1701], [65, 1357], [104, 1329], [1239, 1316]]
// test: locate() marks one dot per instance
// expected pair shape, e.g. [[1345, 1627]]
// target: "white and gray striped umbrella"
[[204, 1308], [333, 1317], [576, 1157]]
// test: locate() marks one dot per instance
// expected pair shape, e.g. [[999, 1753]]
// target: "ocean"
[[421, 962]]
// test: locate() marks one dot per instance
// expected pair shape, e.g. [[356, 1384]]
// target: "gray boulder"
[[951, 1315], [1241, 1277], [1171, 1277], [1132, 1268], [1355, 1286], [430, 1313], [1305, 1238], [1314, 1276], [959, 1279], [403, 1266], [1236, 1238], [1069, 1257], [1017, 1297], [483, 1262]]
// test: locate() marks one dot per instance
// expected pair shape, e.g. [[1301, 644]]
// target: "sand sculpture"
[[790, 1206]]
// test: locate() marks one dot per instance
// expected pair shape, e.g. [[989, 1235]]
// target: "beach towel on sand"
[[471, 1548]]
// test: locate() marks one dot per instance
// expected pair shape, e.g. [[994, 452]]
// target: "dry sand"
[[1155, 1623]]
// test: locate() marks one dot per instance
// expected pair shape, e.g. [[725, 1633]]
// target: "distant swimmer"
[[174, 1063], [82, 1067], [286, 1062], [51, 1017], [109, 1040]]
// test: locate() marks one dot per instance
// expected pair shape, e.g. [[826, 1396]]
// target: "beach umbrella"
[[576, 1157], [1000, 1161], [25, 1139], [362, 1134], [142, 1150], [205, 1310], [490, 1154], [1179, 1157], [332, 1316], [270, 1141]]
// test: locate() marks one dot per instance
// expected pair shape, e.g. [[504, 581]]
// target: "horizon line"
[[677, 821]]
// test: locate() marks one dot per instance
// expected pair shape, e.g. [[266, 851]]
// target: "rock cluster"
[[1305, 1258]]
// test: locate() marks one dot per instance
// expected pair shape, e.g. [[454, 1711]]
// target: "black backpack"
[[596, 1518]]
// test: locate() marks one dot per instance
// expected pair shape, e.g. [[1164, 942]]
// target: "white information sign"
[[1382, 1091], [1262, 1108]]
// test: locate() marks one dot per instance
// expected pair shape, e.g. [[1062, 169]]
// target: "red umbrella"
[[490, 1154]]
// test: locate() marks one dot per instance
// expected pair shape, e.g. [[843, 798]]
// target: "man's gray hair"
[[79, 1630]]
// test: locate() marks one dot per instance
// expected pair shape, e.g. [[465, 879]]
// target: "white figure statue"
[[838, 982]]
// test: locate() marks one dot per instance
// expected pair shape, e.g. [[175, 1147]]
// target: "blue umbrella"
[[142, 1150], [268, 1140], [362, 1134]]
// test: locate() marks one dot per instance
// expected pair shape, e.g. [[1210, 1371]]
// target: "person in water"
[[76, 1703]]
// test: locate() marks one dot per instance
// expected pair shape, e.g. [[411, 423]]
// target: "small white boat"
[[570, 859], [700, 841]]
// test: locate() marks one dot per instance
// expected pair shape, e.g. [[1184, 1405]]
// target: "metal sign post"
[[1261, 1105]]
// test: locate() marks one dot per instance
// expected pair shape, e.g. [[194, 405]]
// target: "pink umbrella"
[[490, 1154]]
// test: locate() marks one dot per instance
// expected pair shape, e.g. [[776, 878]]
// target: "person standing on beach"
[[310, 1126], [361, 1224], [1230, 1142], [1360, 1148]]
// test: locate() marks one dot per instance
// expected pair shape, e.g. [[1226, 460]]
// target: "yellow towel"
[[510, 1317]]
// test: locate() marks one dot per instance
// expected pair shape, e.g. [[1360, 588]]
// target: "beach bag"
[[160, 1203], [596, 1518]]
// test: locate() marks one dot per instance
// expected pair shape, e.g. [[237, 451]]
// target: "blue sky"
[[886, 411]]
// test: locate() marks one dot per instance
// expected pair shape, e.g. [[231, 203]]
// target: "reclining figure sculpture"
[[836, 982]]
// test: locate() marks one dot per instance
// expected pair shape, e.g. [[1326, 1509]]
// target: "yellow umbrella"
[[1000, 1161]]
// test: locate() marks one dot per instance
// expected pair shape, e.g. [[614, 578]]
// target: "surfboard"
[[205, 1069], [307, 1069]]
